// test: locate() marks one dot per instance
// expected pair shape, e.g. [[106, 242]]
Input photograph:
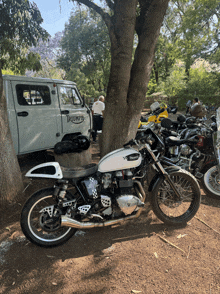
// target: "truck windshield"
[[69, 95]]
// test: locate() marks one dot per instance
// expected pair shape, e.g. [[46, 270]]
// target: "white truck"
[[43, 112]]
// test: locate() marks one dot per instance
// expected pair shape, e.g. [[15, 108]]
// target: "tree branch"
[[110, 4], [105, 16], [144, 7]]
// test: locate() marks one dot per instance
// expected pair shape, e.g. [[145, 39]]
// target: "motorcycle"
[[109, 193], [154, 116], [211, 179], [191, 148]]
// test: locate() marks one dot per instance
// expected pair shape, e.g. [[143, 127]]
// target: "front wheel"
[[211, 182], [168, 207], [40, 224]]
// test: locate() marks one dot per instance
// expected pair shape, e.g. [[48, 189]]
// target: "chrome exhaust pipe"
[[69, 222]]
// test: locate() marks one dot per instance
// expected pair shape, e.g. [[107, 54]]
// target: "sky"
[[54, 16]]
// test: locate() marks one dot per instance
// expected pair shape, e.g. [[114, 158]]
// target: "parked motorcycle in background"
[[192, 144], [157, 112], [211, 179], [109, 193]]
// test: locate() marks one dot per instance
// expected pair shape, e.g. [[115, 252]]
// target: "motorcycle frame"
[[163, 171]]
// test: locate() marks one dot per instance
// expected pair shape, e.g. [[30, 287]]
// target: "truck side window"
[[33, 95], [69, 95]]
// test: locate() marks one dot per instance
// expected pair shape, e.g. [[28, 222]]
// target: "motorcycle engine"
[[128, 203], [185, 150], [110, 195]]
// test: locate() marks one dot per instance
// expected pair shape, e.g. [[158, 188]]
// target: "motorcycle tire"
[[167, 207], [211, 182], [38, 226]]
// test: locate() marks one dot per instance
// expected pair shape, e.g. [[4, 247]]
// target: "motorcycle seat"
[[174, 141], [79, 171]]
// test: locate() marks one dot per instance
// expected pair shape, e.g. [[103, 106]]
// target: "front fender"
[[157, 177]]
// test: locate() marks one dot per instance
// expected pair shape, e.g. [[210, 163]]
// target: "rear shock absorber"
[[60, 191]]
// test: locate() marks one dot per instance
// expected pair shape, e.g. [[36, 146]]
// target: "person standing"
[[98, 112]]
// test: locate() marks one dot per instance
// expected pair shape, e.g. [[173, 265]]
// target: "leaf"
[[181, 236], [155, 253], [135, 291], [53, 283]]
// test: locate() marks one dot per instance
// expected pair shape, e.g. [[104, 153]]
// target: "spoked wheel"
[[40, 224], [211, 182], [168, 207]]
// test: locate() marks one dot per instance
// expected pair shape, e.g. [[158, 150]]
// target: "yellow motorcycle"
[[157, 111]]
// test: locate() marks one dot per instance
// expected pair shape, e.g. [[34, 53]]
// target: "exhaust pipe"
[[69, 222]]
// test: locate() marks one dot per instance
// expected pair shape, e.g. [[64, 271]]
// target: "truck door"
[[76, 118], [37, 116]]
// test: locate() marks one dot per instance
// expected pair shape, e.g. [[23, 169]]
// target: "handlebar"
[[132, 142]]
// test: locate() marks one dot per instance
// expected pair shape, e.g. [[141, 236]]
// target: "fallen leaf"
[[135, 291], [53, 283], [8, 229], [155, 253], [181, 236]]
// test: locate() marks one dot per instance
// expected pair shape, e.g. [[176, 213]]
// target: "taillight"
[[201, 141]]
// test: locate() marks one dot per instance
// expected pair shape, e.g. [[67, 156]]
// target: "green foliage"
[[152, 86], [190, 31], [86, 47], [165, 55], [19, 28], [8, 72], [193, 28], [49, 70], [86, 88], [176, 82], [202, 83]]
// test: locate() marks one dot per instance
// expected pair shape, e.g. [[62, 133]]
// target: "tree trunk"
[[128, 82], [11, 184]]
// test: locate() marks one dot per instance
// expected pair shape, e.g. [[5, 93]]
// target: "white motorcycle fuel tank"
[[119, 159]]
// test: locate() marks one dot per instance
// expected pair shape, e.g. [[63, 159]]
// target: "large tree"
[[129, 76], [19, 28]]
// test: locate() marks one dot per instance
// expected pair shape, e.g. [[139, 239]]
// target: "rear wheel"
[[168, 207], [211, 182], [39, 223]]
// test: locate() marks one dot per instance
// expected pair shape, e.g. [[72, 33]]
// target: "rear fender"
[[157, 177], [50, 170]]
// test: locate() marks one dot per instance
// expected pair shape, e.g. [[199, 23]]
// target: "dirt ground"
[[140, 256]]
